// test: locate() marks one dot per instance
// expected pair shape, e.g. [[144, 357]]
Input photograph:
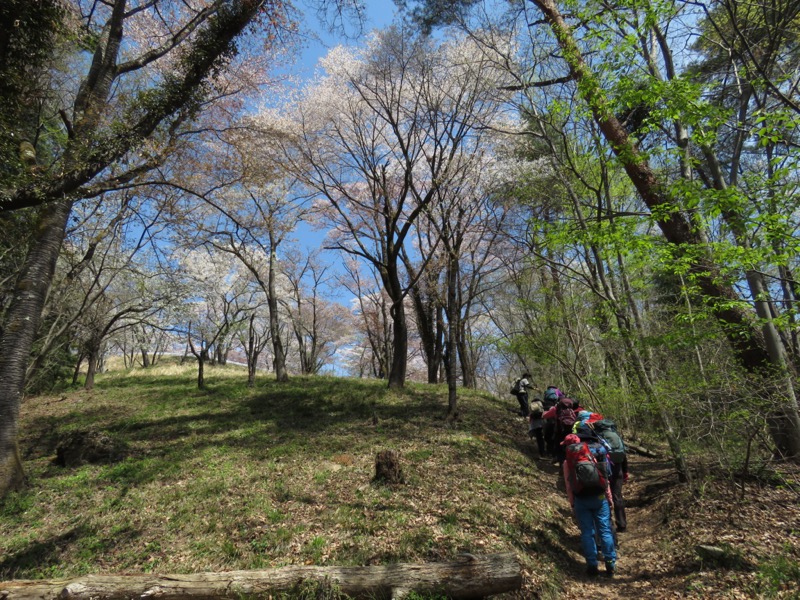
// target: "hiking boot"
[[592, 571], [611, 568], [621, 529]]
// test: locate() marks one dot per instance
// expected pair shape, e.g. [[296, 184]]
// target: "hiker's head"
[[575, 405], [526, 375]]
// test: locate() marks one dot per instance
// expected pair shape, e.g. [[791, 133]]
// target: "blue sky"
[[379, 13]]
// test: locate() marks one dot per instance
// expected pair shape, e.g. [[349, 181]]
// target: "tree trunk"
[[77, 372], [466, 354], [424, 309], [91, 367], [201, 362], [451, 357], [472, 577], [252, 355], [397, 371], [278, 354], [22, 322]]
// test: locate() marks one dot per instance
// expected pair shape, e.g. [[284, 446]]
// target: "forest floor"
[[282, 474]]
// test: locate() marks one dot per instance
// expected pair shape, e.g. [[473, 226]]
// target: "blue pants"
[[593, 513]]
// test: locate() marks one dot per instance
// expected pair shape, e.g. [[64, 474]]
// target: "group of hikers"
[[592, 458]]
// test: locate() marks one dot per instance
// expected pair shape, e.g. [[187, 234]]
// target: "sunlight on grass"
[[236, 477]]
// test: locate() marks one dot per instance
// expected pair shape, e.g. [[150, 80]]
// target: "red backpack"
[[587, 476]]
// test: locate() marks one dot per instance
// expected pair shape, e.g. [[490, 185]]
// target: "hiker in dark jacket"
[[619, 476], [536, 425], [549, 401]]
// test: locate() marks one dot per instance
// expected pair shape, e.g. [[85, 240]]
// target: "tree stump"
[[83, 447], [387, 468]]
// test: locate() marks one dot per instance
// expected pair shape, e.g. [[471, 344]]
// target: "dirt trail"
[[644, 566], [643, 569]]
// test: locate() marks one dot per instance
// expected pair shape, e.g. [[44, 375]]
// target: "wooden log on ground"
[[641, 450], [469, 577]]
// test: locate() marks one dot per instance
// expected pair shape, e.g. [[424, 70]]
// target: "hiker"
[[607, 430], [585, 419], [586, 479], [549, 431], [520, 390], [619, 477], [550, 397], [536, 424], [566, 415], [549, 401]]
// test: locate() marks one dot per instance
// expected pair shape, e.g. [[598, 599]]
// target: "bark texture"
[[470, 577]]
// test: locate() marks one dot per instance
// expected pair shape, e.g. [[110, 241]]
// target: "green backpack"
[[607, 430]]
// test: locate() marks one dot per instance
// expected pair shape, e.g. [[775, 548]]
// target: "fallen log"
[[641, 450], [469, 577]]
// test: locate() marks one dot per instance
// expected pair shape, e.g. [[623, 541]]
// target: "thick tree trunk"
[[91, 368], [21, 324], [472, 577], [399, 364], [397, 370], [466, 354]]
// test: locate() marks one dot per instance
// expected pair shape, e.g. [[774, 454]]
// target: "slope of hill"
[[238, 478]]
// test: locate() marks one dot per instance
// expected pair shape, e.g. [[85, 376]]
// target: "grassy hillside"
[[237, 478]]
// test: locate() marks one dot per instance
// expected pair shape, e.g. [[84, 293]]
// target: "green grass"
[[239, 478]]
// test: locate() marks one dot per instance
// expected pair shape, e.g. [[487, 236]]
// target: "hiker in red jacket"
[[586, 479]]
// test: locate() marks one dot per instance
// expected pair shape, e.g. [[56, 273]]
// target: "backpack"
[[584, 420], [607, 430], [515, 387], [550, 398], [537, 410], [588, 475], [565, 415]]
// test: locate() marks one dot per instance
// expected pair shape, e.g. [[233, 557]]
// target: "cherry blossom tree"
[[318, 324], [378, 137], [219, 297]]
